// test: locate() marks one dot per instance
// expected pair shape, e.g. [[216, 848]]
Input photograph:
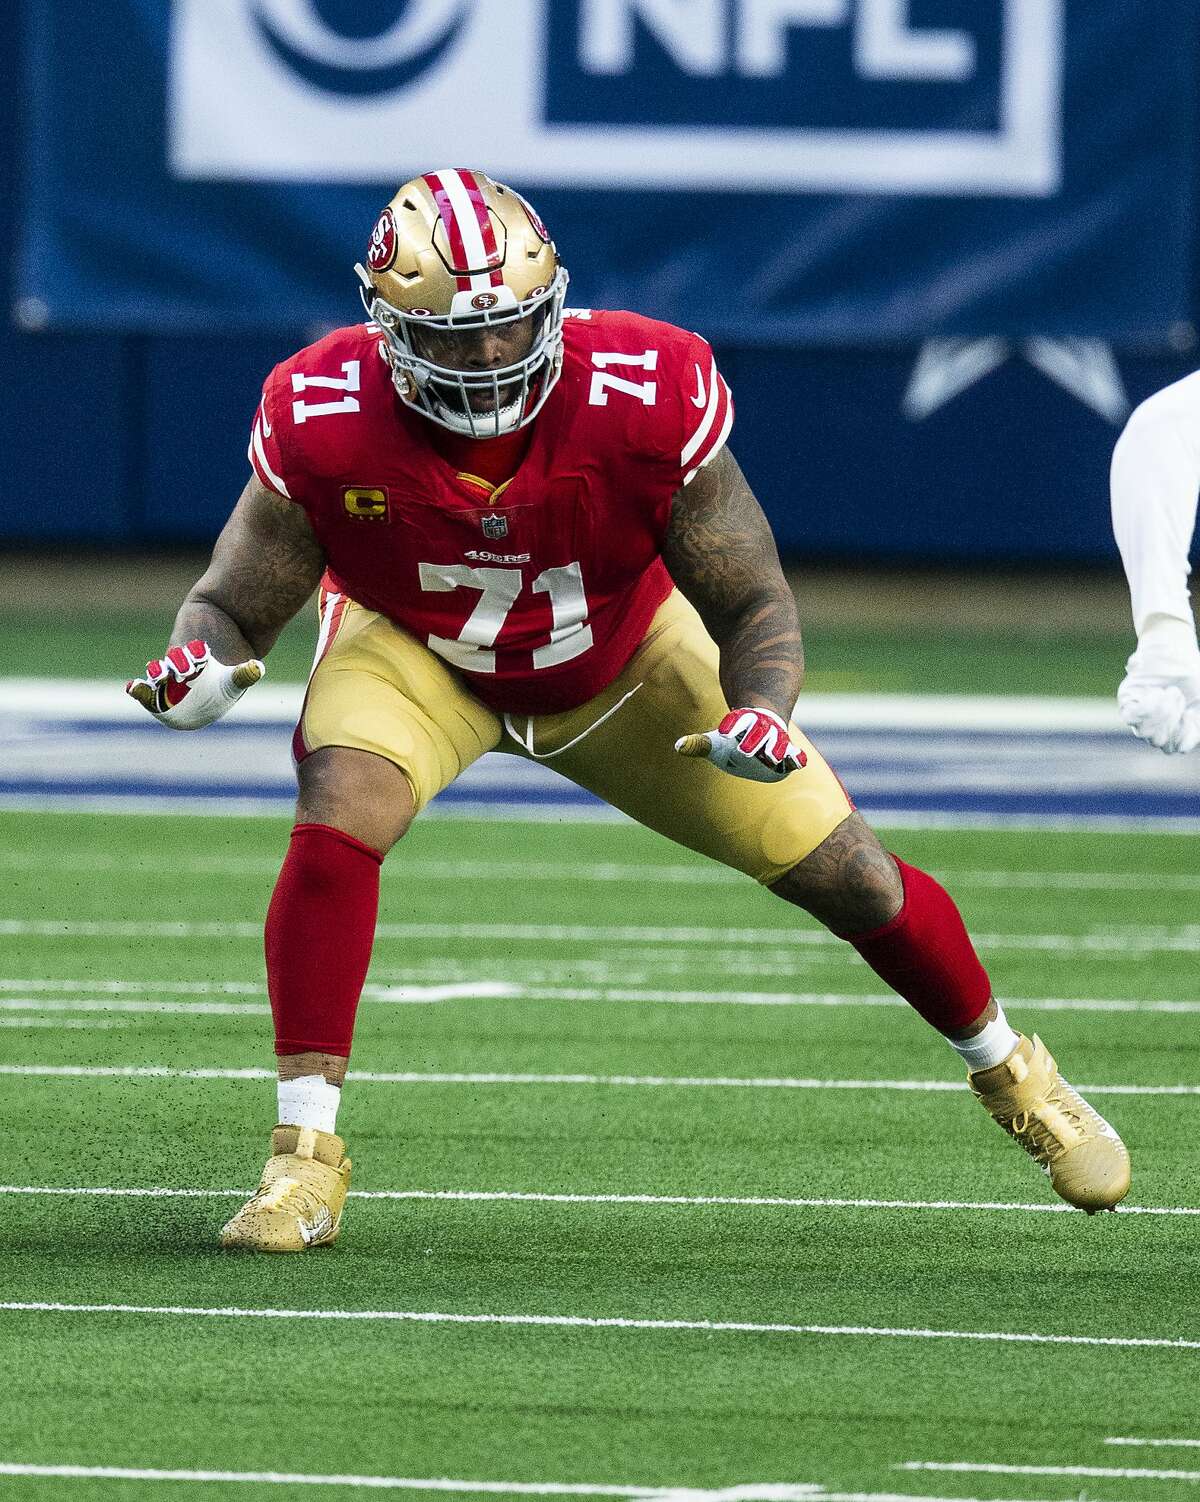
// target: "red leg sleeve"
[[320, 927], [925, 954]]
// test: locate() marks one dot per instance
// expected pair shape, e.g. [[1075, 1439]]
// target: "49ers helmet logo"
[[484, 300], [381, 252]]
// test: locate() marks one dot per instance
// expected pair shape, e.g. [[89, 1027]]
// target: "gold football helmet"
[[468, 290]]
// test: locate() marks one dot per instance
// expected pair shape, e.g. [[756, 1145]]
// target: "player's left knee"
[[849, 882]]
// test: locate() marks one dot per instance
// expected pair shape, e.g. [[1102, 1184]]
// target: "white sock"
[[310, 1101], [992, 1046]]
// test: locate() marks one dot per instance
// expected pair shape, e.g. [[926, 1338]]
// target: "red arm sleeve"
[[705, 409], [266, 453]]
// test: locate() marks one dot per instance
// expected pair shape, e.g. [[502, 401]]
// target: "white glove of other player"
[[189, 688], [750, 743], [1160, 697]]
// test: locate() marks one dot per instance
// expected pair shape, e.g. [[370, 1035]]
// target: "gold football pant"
[[377, 688]]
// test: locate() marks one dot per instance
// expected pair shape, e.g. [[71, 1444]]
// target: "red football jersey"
[[540, 594]]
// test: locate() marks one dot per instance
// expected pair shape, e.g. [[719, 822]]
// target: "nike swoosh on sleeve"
[[701, 397]]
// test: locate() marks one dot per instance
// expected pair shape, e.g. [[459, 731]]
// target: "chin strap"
[[497, 424], [526, 741]]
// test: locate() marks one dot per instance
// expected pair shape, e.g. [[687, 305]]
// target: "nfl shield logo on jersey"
[[494, 526]]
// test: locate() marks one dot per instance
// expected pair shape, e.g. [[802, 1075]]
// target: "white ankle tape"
[[991, 1046], [310, 1101]]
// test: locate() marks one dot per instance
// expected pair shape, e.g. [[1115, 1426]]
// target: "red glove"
[[190, 688], [750, 743]]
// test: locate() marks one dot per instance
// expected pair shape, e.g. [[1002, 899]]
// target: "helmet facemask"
[[454, 390]]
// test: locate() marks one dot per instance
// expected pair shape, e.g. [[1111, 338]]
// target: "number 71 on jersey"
[[473, 648]]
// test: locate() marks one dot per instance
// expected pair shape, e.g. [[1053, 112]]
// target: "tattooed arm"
[[266, 564], [721, 554]]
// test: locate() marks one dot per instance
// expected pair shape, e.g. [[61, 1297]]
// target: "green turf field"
[[716, 1045]]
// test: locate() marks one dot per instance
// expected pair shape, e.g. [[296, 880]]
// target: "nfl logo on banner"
[[495, 526]]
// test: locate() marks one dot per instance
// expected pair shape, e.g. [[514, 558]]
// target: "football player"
[[1155, 482], [529, 534]]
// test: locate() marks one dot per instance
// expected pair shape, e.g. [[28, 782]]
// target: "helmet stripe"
[[458, 253], [484, 219], [468, 226]]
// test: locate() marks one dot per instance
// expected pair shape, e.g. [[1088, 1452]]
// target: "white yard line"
[[44, 995], [411, 995], [821, 1496], [615, 1322], [769, 1492], [74, 699], [124, 1005], [400, 869], [1182, 1444], [1075, 881], [1122, 1473], [747, 1492], [104, 1191], [134, 987], [834, 999], [880, 818], [700, 1201], [652, 1081], [460, 809], [432, 869], [463, 990], [275, 703], [1154, 1444], [133, 1071], [1118, 943], [883, 819], [138, 864], [57, 1023], [222, 806], [146, 806]]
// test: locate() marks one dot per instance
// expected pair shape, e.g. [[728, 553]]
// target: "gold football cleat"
[[1087, 1162], [298, 1203]]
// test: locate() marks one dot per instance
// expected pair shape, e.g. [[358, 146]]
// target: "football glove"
[[1159, 698], [189, 688], [750, 743]]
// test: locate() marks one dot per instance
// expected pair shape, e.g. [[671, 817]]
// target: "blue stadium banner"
[[767, 171]]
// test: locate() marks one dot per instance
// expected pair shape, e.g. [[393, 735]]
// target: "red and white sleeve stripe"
[[264, 453], [708, 438]]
